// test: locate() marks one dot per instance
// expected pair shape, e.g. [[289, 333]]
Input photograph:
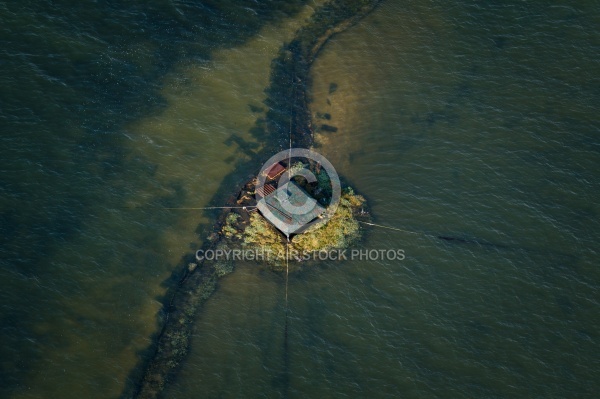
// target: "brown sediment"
[[288, 113]]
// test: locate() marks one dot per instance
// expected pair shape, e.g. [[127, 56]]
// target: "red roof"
[[275, 170]]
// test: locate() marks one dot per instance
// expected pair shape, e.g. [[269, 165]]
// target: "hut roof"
[[275, 171], [273, 208]]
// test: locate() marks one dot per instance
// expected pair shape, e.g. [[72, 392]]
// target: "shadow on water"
[[484, 244]]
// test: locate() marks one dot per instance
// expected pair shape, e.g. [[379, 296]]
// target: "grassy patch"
[[339, 232]]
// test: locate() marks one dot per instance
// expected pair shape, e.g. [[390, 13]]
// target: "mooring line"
[[215, 207], [286, 354], [287, 247], [286, 349], [397, 229], [471, 241], [290, 150], [292, 104], [287, 272]]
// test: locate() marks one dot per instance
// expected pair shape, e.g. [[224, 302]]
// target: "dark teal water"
[[473, 121]]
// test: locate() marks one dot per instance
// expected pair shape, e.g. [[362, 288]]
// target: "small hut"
[[289, 208]]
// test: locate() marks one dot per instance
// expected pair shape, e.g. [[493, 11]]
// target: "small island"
[[247, 228]]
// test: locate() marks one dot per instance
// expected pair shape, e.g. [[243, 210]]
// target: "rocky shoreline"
[[193, 282]]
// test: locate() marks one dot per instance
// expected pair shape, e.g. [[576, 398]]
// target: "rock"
[[323, 116], [329, 128]]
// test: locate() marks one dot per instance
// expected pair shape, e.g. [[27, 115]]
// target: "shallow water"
[[476, 122]]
